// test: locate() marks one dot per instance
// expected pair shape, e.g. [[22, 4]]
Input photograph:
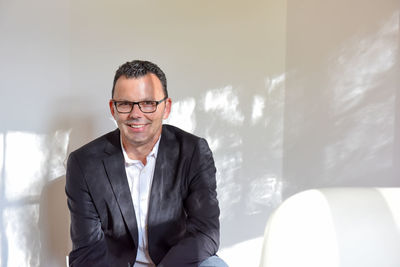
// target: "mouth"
[[136, 127]]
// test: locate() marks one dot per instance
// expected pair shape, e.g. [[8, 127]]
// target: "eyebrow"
[[124, 100]]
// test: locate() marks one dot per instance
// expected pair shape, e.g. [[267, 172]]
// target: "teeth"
[[136, 126]]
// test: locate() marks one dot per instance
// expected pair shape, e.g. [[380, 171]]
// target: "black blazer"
[[183, 225]]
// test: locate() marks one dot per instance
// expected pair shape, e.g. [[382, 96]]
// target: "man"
[[144, 194]]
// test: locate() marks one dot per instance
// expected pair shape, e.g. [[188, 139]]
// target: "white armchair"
[[335, 227]]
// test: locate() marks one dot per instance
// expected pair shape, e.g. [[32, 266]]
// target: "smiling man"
[[144, 194]]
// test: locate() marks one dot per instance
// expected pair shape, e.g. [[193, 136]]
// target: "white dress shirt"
[[140, 178]]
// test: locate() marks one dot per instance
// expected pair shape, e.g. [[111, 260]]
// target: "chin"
[[138, 140]]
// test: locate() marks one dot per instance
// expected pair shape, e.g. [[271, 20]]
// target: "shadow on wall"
[[34, 216], [340, 124], [245, 135], [54, 224]]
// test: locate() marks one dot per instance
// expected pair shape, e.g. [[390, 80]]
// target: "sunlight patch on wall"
[[230, 139], [231, 143], [25, 157], [31, 160], [274, 83], [266, 191], [229, 190], [22, 233], [258, 108], [274, 115], [364, 128], [225, 103], [182, 114], [213, 143], [274, 119], [363, 103], [362, 60]]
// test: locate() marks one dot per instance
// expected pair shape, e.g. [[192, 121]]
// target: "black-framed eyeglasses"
[[147, 106]]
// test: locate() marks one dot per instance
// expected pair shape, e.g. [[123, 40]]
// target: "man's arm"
[[89, 246], [201, 205]]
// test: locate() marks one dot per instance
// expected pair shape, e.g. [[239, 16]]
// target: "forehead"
[[138, 88]]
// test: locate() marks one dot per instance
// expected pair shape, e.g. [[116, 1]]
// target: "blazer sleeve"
[[89, 245], [201, 206]]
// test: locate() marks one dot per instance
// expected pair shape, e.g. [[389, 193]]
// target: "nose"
[[136, 112]]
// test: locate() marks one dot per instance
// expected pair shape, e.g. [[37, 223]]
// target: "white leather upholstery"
[[335, 227]]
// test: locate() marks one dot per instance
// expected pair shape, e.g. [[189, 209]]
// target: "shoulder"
[[171, 132], [176, 139]]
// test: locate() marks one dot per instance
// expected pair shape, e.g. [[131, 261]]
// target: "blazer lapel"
[[115, 168], [163, 177]]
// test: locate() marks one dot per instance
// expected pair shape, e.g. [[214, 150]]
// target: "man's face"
[[138, 128]]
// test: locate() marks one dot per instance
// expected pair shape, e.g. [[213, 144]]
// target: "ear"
[[167, 109], [112, 108]]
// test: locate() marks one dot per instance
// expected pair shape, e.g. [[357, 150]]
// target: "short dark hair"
[[137, 69]]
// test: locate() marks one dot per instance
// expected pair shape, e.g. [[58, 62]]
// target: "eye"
[[148, 103], [123, 104]]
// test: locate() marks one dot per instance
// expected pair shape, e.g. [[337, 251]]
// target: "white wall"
[[290, 94], [342, 109]]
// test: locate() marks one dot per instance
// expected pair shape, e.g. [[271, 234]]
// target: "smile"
[[136, 126]]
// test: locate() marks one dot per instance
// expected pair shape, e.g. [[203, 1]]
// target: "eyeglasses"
[[144, 106]]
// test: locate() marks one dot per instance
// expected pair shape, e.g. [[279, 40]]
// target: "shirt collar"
[[153, 153]]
